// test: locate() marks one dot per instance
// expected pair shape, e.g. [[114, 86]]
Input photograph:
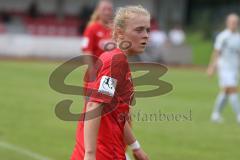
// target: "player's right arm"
[[91, 127], [213, 62], [218, 46]]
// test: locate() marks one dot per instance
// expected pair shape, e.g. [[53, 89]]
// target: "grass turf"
[[201, 47], [27, 117]]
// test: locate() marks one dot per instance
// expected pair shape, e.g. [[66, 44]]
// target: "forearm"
[[129, 137], [214, 58], [91, 127]]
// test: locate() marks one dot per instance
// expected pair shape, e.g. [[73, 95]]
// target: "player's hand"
[[89, 156], [139, 154], [210, 71]]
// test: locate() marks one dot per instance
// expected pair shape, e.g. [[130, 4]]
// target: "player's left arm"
[[131, 141]]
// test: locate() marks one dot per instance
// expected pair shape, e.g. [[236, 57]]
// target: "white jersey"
[[228, 43]]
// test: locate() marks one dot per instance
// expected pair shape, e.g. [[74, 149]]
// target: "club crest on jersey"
[[107, 85], [100, 34]]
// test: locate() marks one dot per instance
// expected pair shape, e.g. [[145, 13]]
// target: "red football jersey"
[[95, 38], [114, 88]]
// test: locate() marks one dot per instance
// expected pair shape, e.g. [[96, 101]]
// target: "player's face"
[[137, 32], [105, 11], [232, 23]]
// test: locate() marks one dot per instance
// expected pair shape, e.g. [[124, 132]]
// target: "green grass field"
[[201, 47], [28, 122]]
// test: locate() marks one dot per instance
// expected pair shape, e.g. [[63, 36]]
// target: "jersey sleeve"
[[219, 42], [108, 79], [88, 39]]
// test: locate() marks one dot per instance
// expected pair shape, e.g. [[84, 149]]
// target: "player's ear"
[[120, 33]]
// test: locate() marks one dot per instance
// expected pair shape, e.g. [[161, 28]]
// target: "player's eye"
[[139, 29], [142, 29]]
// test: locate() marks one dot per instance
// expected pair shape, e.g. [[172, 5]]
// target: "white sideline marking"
[[22, 151]]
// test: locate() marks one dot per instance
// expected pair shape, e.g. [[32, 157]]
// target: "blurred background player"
[[98, 30], [225, 59], [96, 35], [104, 137], [177, 36]]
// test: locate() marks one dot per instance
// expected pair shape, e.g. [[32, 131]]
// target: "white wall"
[[39, 46]]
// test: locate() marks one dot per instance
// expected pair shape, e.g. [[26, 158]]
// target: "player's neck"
[[123, 51], [233, 30]]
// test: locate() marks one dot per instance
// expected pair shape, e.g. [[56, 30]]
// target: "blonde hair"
[[124, 13], [232, 15], [95, 15]]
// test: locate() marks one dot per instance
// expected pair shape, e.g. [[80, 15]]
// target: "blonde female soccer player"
[[225, 59], [98, 31], [104, 134]]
